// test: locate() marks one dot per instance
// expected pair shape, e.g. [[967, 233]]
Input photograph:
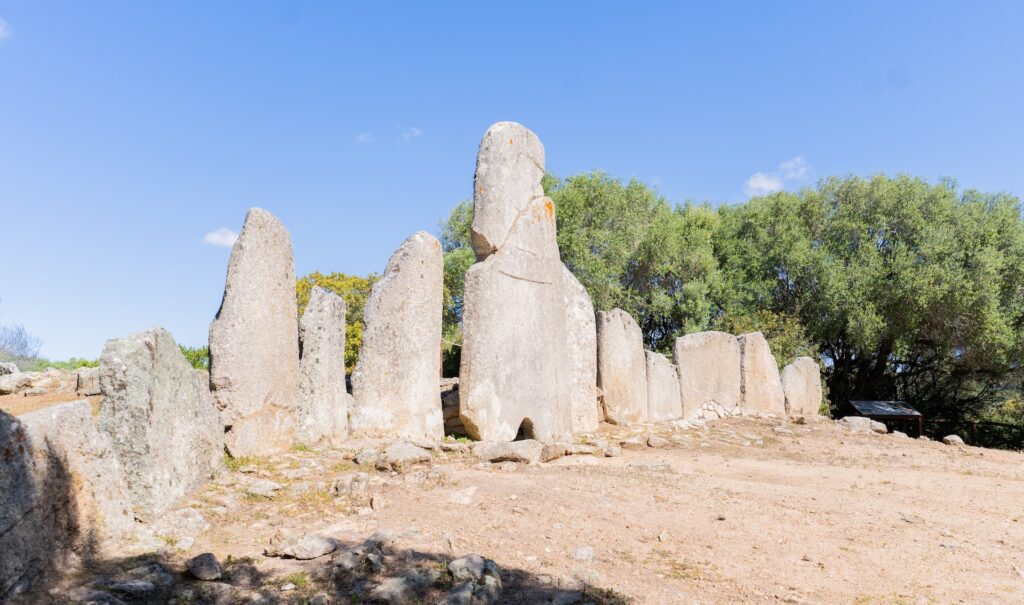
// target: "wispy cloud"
[[221, 237], [365, 138], [5, 30], [410, 133], [795, 169], [763, 183]]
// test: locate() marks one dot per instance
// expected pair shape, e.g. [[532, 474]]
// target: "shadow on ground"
[[368, 572]]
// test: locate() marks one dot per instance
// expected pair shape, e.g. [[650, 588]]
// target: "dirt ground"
[[18, 404], [740, 511]]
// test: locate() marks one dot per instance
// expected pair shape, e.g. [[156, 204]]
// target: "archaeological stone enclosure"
[[538, 364]]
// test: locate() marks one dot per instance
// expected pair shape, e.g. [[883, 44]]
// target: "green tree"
[[457, 247], [199, 357], [632, 250], [355, 291], [909, 290]]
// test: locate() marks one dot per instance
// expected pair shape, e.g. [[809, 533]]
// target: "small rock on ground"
[[953, 440], [205, 567]]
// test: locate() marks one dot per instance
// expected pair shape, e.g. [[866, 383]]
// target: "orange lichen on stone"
[[550, 207], [510, 140]]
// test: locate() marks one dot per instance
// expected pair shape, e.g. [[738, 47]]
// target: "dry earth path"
[[739, 511]]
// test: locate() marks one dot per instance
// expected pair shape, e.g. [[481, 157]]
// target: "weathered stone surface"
[[664, 401], [527, 451], [709, 371], [621, 367], [396, 382], [509, 206], [161, 420], [513, 375], [400, 455], [254, 342], [310, 546], [323, 402], [264, 488], [38, 383], [404, 589], [14, 383], [953, 440], [205, 567], [801, 382], [60, 492], [477, 581], [581, 352], [87, 382], [8, 367], [861, 424], [759, 377], [553, 451], [450, 408]]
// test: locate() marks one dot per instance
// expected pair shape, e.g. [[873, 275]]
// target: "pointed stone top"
[[416, 244]]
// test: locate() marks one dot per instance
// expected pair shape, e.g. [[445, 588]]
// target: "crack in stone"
[[515, 221], [526, 279], [536, 163]]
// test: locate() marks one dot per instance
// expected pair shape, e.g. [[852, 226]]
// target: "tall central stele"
[[513, 379]]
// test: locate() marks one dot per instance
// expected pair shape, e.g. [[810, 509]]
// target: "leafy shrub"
[[199, 357]]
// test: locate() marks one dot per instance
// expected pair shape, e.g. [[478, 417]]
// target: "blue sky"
[[131, 131]]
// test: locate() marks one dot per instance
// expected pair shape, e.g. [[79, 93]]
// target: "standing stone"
[[709, 371], [254, 341], [324, 402], [621, 367], [87, 382], [396, 382], [801, 382], [759, 376], [61, 493], [664, 401], [581, 339], [161, 420], [513, 375]]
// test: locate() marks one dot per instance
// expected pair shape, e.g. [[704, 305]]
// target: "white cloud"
[[365, 138], [795, 169], [5, 30], [761, 183], [411, 133], [221, 237]]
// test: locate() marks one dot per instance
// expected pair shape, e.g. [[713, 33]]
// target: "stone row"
[[537, 363], [713, 375]]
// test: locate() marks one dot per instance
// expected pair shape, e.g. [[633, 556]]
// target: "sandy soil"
[[736, 512], [18, 404]]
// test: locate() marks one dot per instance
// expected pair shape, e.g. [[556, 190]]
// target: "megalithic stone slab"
[[709, 371], [513, 377], [396, 382], [759, 374], [62, 494], [663, 396], [801, 382], [621, 367], [581, 353], [254, 341], [509, 206], [324, 402], [161, 420]]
